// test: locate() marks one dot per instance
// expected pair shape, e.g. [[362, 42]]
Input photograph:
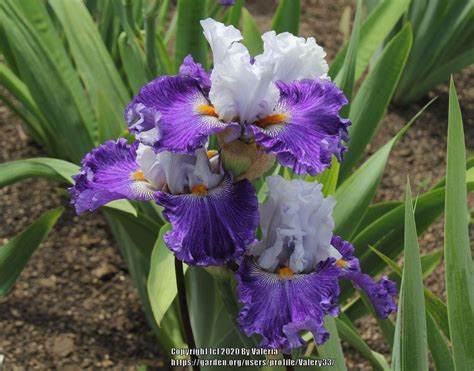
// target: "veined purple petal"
[[172, 113], [196, 71], [214, 228], [305, 129], [280, 307], [380, 293], [107, 174]]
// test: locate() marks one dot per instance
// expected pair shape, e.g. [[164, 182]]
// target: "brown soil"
[[74, 307]]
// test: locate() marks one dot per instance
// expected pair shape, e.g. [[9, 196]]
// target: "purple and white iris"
[[289, 280], [280, 104], [213, 218], [282, 99]]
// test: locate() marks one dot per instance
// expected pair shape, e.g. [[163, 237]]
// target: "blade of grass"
[[438, 346], [373, 31], [104, 85], [57, 90], [414, 341], [353, 338], [133, 61], [457, 250], [376, 93], [346, 77], [235, 12], [397, 346], [355, 194], [150, 16]]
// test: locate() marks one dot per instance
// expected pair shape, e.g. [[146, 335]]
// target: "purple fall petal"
[[106, 175], [279, 308], [196, 71], [211, 229], [312, 132], [172, 113], [380, 293]]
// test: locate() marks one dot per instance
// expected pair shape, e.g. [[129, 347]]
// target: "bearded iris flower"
[[282, 100], [213, 218], [279, 104], [289, 281]]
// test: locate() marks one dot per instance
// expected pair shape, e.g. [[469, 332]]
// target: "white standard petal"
[[221, 38], [239, 88], [242, 89], [150, 165], [295, 58], [203, 172], [297, 226], [179, 172]]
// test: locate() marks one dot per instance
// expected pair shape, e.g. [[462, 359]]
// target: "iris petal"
[[294, 58], [279, 308], [312, 130], [196, 71], [380, 293], [166, 115], [212, 227], [109, 172]]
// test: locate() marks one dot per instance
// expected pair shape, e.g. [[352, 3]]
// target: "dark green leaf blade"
[[136, 240], [287, 17], [189, 36], [41, 167], [414, 342], [457, 250], [373, 97], [355, 194], [16, 253], [373, 31], [346, 77]]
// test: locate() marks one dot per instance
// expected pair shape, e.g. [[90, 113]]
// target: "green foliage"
[[376, 92], [105, 88], [457, 250], [251, 33], [17, 252], [57, 90], [443, 44], [356, 193], [162, 287], [374, 30], [137, 238], [62, 171], [287, 17], [189, 36], [414, 344], [332, 347]]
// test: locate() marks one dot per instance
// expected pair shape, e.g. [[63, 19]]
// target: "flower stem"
[[288, 368], [183, 308]]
